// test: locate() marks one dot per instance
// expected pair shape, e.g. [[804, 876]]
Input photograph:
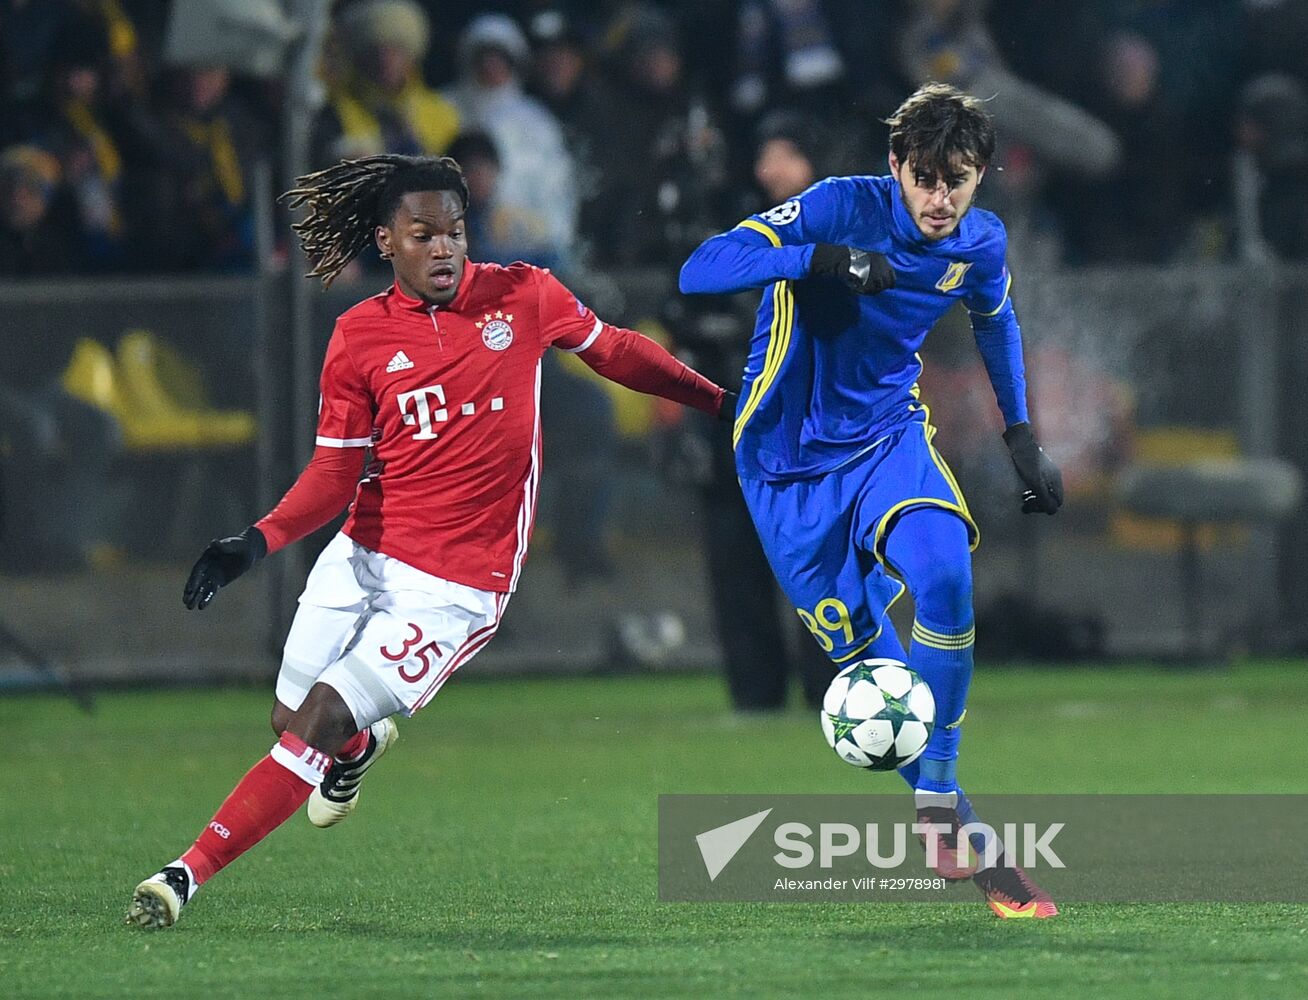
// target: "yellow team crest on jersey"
[[953, 276]]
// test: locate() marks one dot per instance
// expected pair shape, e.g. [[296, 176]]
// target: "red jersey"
[[448, 398]]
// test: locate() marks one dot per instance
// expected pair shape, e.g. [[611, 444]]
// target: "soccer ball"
[[878, 715]]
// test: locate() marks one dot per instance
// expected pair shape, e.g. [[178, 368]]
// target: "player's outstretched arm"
[[633, 360], [739, 260], [624, 356], [321, 492], [733, 262]]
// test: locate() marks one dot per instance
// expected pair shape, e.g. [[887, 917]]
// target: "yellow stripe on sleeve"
[[759, 227], [783, 321]]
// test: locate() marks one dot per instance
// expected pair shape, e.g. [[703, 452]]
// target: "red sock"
[[354, 746], [264, 799]]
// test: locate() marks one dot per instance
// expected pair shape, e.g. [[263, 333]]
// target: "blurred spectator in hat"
[[193, 197], [832, 61], [1272, 130], [566, 83], [33, 31], [84, 131], [497, 232], [536, 178], [669, 154], [786, 48], [789, 155], [1201, 54], [38, 224], [949, 41], [1140, 210], [377, 99], [559, 63], [787, 152]]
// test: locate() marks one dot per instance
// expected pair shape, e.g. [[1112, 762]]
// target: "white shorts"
[[383, 634]]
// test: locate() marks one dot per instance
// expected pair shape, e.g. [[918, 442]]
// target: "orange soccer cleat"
[[1012, 895]]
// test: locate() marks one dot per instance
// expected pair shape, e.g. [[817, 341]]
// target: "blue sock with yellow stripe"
[[928, 547], [943, 656]]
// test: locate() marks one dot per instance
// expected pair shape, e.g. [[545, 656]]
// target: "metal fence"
[[1128, 368]]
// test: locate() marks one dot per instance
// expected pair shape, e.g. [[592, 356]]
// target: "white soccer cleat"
[[336, 797], [158, 900]]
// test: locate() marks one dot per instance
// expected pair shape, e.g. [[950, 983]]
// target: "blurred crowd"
[[621, 132], [604, 136]]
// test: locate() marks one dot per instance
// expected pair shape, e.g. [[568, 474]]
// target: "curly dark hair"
[[349, 199], [936, 124]]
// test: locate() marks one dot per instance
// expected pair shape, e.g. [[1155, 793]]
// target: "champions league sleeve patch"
[[783, 214]]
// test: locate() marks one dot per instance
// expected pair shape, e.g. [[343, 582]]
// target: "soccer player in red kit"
[[439, 376]]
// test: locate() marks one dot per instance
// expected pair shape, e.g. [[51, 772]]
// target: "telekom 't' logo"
[[417, 409]]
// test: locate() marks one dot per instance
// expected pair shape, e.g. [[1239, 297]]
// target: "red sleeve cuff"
[[322, 491]]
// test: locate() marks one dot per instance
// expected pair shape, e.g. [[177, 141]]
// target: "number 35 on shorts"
[[424, 657]]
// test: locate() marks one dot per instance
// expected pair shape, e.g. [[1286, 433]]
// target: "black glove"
[[1044, 492], [727, 411], [864, 271], [222, 562]]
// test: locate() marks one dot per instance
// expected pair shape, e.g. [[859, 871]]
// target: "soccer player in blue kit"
[[833, 445]]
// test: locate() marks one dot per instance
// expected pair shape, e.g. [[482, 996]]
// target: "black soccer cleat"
[[336, 797], [158, 900]]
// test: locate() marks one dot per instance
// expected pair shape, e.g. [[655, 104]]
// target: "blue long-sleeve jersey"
[[830, 373]]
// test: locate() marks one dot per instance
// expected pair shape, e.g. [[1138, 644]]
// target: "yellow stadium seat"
[[1170, 447], [156, 396], [91, 376], [165, 406]]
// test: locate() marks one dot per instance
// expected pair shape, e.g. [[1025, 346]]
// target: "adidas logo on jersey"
[[398, 363]]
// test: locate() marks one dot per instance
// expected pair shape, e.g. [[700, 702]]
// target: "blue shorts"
[[825, 536]]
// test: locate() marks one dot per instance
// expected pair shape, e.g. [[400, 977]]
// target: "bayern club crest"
[[496, 333]]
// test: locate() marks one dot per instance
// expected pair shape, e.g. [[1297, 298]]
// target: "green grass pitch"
[[506, 847]]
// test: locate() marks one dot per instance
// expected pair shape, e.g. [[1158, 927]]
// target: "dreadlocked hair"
[[348, 200], [937, 123]]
